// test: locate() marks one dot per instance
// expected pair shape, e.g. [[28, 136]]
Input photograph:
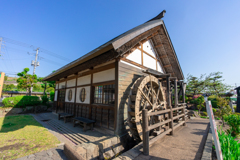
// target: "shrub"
[[214, 110], [205, 113], [234, 122], [44, 99], [204, 117], [230, 147], [52, 96], [21, 101], [196, 96], [213, 99]]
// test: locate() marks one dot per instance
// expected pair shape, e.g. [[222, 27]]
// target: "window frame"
[[102, 96]]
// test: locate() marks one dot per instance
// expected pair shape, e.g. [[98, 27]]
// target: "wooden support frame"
[[146, 128], [169, 104]]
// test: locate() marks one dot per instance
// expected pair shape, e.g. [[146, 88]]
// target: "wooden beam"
[[158, 45], [142, 51], [168, 65], [163, 56], [134, 63]]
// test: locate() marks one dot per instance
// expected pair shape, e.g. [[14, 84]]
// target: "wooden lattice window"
[[82, 96], [70, 95], [104, 94]]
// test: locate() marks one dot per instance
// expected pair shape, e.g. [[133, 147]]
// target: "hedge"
[[21, 101]]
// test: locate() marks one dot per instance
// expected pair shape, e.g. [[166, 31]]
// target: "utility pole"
[[35, 63]]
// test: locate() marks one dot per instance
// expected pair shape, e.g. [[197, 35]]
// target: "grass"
[[23, 135]]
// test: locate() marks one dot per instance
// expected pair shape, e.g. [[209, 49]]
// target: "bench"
[[65, 116], [84, 122]]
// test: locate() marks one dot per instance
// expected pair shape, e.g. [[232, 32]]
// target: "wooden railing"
[[147, 128]]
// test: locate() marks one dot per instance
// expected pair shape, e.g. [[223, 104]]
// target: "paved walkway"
[[185, 144], [51, 154]]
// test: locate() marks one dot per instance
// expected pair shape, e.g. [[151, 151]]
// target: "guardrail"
[[146, 127]]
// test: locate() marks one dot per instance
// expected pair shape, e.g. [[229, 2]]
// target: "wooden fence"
[[18, 93], [180, 113]]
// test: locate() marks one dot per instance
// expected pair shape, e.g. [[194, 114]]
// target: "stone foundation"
[[106, 149]]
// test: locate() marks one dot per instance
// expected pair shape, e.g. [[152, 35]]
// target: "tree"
[[26, 80], [224, 109], [47, 85], [8, 87], [214, 83], [194, 85], [5, 78], [200, 103]]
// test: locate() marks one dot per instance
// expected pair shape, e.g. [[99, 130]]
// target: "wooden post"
[[184, 106], [169, 104], [145, 132], [175, 93]]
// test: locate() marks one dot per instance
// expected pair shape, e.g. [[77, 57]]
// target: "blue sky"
[[205, 33]]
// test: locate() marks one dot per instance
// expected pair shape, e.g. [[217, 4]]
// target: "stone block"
[[92, 150], [82, 152]]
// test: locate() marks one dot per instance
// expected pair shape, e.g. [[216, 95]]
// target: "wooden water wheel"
[[146, 93]]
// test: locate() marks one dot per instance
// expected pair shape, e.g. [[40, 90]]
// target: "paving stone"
[[50, 153]]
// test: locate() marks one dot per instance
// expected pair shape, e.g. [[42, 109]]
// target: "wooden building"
[[99, 85]]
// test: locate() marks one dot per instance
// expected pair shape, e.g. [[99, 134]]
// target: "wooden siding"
[[127, 76], [102, 114]]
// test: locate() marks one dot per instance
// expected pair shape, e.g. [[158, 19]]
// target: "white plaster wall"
[[149, 48], [71, 83], [55, 96], [61, 84], [149, 61], [87, 100], [56, 86], [130, 64], [159, 67], [73, 95], [84, 80], [106, 75], [135, 56]]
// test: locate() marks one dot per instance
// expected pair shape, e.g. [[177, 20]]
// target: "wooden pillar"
[[169, 104], [116, 107], [91, 97], [75, 100], [175, 93], [184, 101], [145, 132]]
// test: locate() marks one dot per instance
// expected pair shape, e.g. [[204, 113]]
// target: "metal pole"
[[145, 132]]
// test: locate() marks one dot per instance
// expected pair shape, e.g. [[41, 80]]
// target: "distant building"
[[238, 99]]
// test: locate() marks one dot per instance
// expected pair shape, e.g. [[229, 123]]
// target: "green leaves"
[[234, 122], [212, 83], [230, 147], [26, 80]]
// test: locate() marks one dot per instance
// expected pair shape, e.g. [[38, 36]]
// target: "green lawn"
[[23, 135]]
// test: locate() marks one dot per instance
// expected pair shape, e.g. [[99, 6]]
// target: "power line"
[[34, 47]]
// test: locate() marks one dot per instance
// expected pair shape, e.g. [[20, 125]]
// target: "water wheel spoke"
[[148, 96], [145, 97]]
